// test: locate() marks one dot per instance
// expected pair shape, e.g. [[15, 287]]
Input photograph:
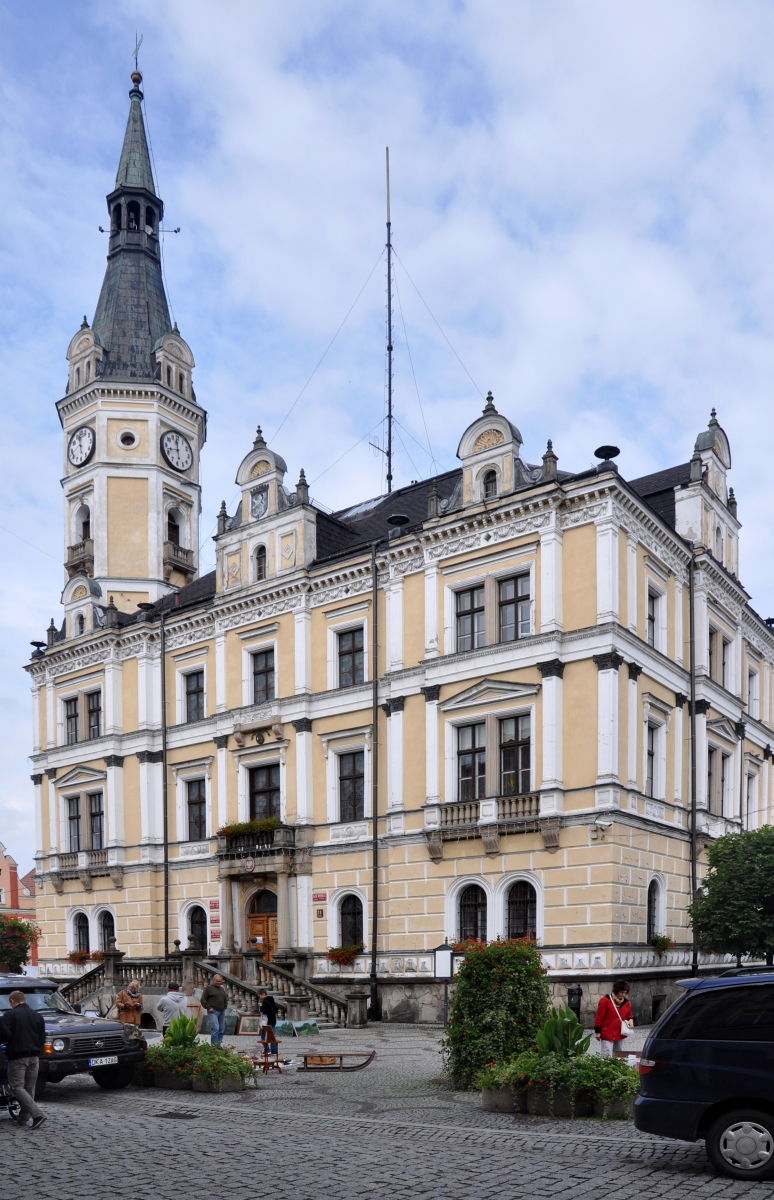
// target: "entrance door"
[[265, 928]]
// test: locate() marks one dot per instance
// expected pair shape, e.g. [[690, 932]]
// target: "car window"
[[735, 1014], [37, 998]]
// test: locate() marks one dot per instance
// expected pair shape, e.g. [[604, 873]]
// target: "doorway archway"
[[262, 922]]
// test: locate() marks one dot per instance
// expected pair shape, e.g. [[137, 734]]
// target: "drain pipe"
[[692, 722], [374, 1008]]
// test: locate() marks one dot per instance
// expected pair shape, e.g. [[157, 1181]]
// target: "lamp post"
[[443, 968]]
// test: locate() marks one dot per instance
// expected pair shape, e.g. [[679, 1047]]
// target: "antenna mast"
[[389, 331]]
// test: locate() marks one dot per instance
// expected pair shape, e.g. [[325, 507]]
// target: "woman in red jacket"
[[613, 1011]]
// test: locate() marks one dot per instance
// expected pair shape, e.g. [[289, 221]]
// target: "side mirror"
[[75, 1007]]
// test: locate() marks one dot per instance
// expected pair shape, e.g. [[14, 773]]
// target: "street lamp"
[[443, 968]]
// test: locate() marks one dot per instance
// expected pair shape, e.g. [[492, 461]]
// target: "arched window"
[[150, 220], [490, 485], [652, 910], [88, 370], [107, 930], [263, 904], [197, 927], [80, 624], [473, 913], [169, 377], [82, 524], [522, 910], [116, 218], [173, 529], [351, 921], [133, 215], [81, 929], [260, 563], [77, 377], [182, 383], [719, 543]]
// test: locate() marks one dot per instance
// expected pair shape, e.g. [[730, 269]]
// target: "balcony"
[[276, 843], [488, 819], [80, 558], [177, 558]]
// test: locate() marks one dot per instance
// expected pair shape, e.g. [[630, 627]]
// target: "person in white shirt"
[[172, 1005]]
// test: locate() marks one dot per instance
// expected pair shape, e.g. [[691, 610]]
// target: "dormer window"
[[173, 530], [490, 485]]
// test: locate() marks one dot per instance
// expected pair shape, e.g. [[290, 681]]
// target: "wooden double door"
[[264, 927]]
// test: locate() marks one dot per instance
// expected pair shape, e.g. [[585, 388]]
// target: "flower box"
[[172, 1080], [503, 1100], [231, 1083], [539, 1104]]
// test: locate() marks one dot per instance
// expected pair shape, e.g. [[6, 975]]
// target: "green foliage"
[[563, 1035], [16, 939], [733, 913], [203, 1062], [345, 955], [266, 825], [181, 1031], [661, 942], [499, 1002], [606, 1079]]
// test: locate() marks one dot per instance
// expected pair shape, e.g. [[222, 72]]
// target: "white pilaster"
[[115, 803], [607, 571], [53, 817], [551, 577], [35, 719], [631, 582], [236, 914], [431, 612], [394, 598], [220, 673], [552, 799], [304, 910], [607, 793], [395, 758], [678, 622], [701, 760], [113, 698], [431, 745], [303, 651], [221, 767], [50, 716], [633, 728], [678, 744], [304, 792], [38, 795]]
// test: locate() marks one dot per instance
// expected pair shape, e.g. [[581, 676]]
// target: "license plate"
[[107, 1060]]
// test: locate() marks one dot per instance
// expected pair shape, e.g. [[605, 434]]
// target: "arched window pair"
[[653, 913], [107, 931], [521, 912]]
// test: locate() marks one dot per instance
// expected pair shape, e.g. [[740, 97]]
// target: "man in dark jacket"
[[215, 999], [268, 1008], [24, 1032]]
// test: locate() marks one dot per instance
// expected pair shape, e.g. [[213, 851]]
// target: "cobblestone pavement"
[[393, 1131]]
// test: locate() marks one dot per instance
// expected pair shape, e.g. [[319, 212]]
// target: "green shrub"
[[562, 1034], [16, 939], [198, 1062], [500, 1000], [265, 825], [605, 1079], [181, 1031]]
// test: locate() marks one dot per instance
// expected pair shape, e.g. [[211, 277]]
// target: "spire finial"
[[302, 488], [84, 322], [222, 518], [549, 461], [259, 443], [489, 406], [713, 418]]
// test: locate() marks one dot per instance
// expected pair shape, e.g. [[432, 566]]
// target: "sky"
[[582, 214]]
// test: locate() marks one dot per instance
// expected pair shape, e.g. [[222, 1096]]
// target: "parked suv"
[[75, 1044], [707, 1071]]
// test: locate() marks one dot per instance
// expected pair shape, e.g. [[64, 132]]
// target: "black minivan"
[[707, 1071]]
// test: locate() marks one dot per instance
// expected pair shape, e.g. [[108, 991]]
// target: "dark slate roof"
[[200, 591], [658, 489], [132, 312]]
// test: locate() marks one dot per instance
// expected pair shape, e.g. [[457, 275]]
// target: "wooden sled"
[[335, 1062]]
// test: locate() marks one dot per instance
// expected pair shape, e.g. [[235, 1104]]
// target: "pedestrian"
[[129, 1004], [172, 1005], [614, 1017], [24, 1032], [215, 999], [268, 1007]]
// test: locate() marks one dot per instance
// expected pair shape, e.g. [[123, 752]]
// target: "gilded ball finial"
[[136, 78]]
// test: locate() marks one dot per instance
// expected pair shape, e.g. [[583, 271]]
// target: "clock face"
[[176, 450], [259, 501], [81, 446]]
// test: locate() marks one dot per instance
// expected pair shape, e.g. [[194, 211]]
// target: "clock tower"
[[132, 427]]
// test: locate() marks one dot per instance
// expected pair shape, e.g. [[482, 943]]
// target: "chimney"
[[50, 634], [433, 500], [696, 468], [111, 615]]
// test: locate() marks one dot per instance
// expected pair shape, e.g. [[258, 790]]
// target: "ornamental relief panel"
[[481, 539], [488, 439]]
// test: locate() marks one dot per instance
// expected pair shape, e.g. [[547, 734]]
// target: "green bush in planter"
[[563, 1034], [605, 1079], [198, 1062], [500, 1000], [181, 1031]]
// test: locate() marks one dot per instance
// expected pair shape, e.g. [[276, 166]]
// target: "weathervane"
[[136, 51]]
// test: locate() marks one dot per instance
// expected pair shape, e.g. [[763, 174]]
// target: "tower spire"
[[132, 313]]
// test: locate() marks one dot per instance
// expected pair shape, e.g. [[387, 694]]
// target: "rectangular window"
[[471, 761], [351, 658], [94, 710], [712, 781], [71, 721], [194, 696], [713, 653], [263, 676], [471, 624], [725, 775], [515, 776], [726, 663], [197, 810], [264, 792], [515, 608], [74, 824], [752, 808], [97, 821], [650, 760], [352, 786], [653, 600]]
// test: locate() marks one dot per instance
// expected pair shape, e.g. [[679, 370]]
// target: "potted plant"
[[220, 1069], [79, 957], [661, 942], [345, 955]]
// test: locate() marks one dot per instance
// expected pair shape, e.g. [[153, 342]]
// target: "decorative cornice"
[[608, 662], [680, 700], [149, 756], [36, 779], [113, 760], [221, 741], [552, 669]]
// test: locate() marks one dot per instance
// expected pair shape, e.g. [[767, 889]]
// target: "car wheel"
[[114, 1078], [740, 1144], [40, 1087]]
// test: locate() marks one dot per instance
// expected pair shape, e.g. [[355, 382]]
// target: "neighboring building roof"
[[28, 881], [658, 489]]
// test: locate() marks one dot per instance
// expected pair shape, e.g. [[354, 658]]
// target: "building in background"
[[17, 896], [530, 634]]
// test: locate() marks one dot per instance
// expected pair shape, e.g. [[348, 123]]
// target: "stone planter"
[[171, 1080], [232, 1083], [503, 1100], [539, 1104], [621, 1108]]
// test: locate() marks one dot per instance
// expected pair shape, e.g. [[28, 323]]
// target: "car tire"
[[740, 1144], [114, 1078]]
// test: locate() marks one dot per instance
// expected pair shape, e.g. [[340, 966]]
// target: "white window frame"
[[450, 590], [753, 692], [657, 590], [333, 631], [345, 741], [183, 774], [79, 693], [89, 915], [452, 724], [260, 756], [183, 914], [181, 674], [658, 716], [335, 898], [751, 784], [94, 929], [248, 650], [501, 890], [661, 897], [482, 471], [452, 906]]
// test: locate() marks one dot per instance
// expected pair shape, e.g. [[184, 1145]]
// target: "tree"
[[733, 911], [16, 939], [500, 1001]]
